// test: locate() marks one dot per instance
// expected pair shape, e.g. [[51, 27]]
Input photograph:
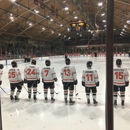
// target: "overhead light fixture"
[[100, 4], [61, 25], [64, 35], [105, 25], [59, 34], [75, 17], [128, 21], [52, 31], [13, 0], [36, 11], [43, 28], [68, 29], [125, 26], [66, 8], [51, 20], [104, 21], [102, 14], [30, 24]]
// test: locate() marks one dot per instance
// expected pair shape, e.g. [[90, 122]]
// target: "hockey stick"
[[56, 92], [75, 91], [27, 90], [4, 91]]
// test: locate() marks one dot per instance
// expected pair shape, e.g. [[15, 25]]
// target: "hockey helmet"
[[118, 62], [14, 64], [67, 61], [89, 63], [1, 66], [47, 62], [33, 62]]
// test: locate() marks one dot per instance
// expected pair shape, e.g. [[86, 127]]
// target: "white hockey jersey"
[[48, 74], [90, 77], [68, 74], [31, 73], [1, 72], [120, 76], [14, 75]]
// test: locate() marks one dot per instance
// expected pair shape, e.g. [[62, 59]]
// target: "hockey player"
[[32, 78], [1, 72], [69, 79], [16, 81], [90, 81], [120, 81], [48, 78]]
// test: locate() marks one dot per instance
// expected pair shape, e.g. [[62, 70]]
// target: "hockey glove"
[[38, 81], [83, 83], [25, 81], [97, 84], [0, 82], [75, 82], [55, 79], [126, 83]]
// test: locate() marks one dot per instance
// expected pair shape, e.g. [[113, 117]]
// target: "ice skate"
[[29, 96], [11, 98], [88, 101], [46, 99], [66, 101], [122, 103], [34, 97], [95, 102], [71, 102], [115, 103], [52, 100], [16, 98]]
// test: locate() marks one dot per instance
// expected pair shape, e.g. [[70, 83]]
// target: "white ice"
[[27, 115]]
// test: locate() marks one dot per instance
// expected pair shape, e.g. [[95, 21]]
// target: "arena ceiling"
[[50, 20]]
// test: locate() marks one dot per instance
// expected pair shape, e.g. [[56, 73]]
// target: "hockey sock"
[[29, 90], [88, 96], [34, 91], [65, 93], [18, 92], [94, 96], [12, 92], [122, 97], [52, 93], [45, 92], [71, 95], [114, 97]]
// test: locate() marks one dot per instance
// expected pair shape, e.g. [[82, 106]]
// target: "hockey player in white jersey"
[[90, 80], [1, 72], [14, 76], [69, 79], [32, 78], [120, 81], [48, 78]]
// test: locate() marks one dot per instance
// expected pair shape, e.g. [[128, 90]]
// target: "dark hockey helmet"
[[67, 61], [118, 62], [33, 62], [14, 64], [47, 62], [89, 64], [1, 66]]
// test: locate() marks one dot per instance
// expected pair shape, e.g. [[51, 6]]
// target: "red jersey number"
[[67, 72], [119, 75], [89, 77], [31, 72], [11, 74], [46, 72]]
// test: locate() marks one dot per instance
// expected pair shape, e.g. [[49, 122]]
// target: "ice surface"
[[27, 115]]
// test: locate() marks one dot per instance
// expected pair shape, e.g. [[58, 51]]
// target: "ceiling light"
[[51, 19], [105, 25], [68, 29], [100, 4], [13, 0], [52, 31], [66, 8], [64, 35], [75, 17], [59, 34], [43, 28], [61, 25], [30, 24], [125, 26], [104, 21], [128, 21], [102, 14], [36, 11]]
